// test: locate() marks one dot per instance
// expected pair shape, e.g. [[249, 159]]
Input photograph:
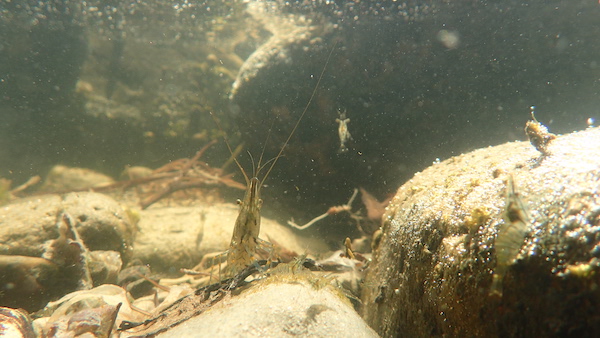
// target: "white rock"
[[274, 309]]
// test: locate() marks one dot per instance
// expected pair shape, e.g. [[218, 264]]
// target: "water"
[[104, 85]]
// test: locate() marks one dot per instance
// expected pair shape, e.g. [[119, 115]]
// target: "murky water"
[[106, 86]]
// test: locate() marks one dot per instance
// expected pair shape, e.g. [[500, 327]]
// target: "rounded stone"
[[433, 268], [102, 223], [274, 309]]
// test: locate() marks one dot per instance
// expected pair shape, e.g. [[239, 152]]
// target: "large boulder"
[[444, 242]]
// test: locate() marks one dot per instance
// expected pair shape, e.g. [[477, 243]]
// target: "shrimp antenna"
[[259, 167], [253, 163], [229, 147], [312, 96]]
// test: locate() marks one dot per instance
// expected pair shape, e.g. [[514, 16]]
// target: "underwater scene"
[[310, 168]]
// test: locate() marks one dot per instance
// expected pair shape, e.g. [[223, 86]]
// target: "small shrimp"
[[538, 134], [343, 131], [245, 241], [510, 235]]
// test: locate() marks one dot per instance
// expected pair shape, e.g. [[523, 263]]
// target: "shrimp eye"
[[238, 201]]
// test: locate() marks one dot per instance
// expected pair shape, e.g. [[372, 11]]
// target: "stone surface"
[[295, 308], [28, 223], [169, 237], [63, 178], [25, 281], [102, 222], [432, 270], [51, 245], [178, 237]]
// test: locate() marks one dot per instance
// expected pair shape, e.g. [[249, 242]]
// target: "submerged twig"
[[331, 211], [178, 175], [189, 173], [236, 152], [181, 174], [30, 182]]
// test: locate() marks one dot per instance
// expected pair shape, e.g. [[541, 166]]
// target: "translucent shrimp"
[[245, 241], [510, 235]]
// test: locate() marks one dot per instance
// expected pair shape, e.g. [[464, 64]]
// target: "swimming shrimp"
[[343, 131]]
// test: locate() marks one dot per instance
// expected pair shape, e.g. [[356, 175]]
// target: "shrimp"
[[343, 131], [538, 135], [510, 235], [244, 241]]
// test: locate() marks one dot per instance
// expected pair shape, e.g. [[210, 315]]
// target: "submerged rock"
[[433, 269], [62, 178], [288, 301], [178, 237], [51, 245], [278, 310], [290, 35], [26, 281], [102, 223]]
